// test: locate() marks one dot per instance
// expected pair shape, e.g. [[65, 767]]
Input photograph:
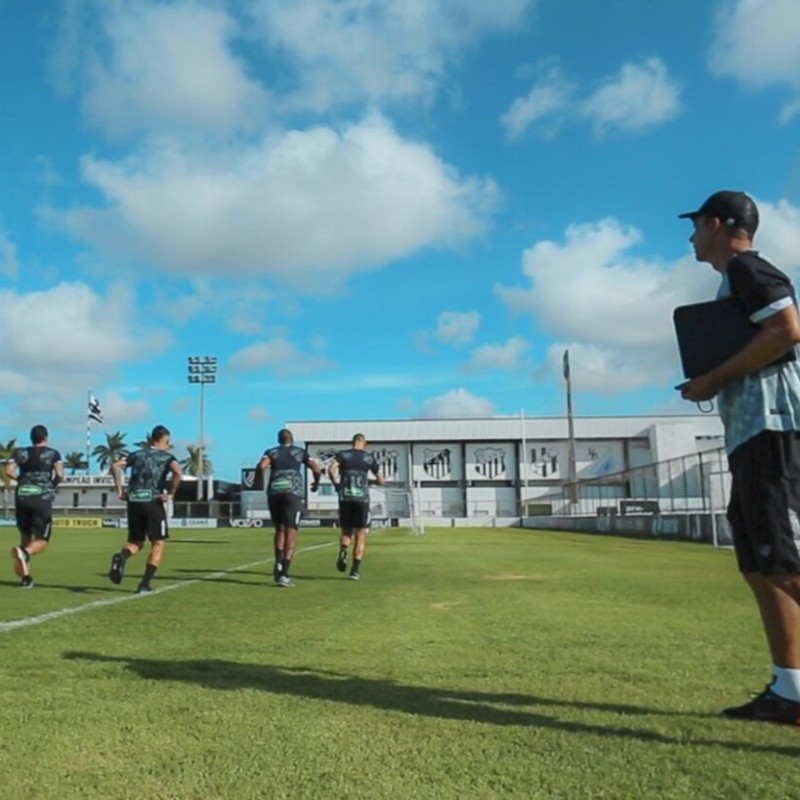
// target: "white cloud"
[[757, 42], [457, 404], [258, 414], [156, 66], [778, 235], [119, 411], [278, 356], [612, 310], [293, 207], [9, 263], [550, 99], [60, 341], [457, 328], [640, 96], [590, 288], [506, 356], [375, 51]]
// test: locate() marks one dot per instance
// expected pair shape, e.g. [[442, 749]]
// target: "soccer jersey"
[[36, 471], [768, 399], [354, 468], [286, 463], [150, 470]]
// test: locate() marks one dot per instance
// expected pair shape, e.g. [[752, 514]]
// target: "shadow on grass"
[[440, 703], [48, 585]]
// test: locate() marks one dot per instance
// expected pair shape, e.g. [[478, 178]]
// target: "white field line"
[[15, 624]]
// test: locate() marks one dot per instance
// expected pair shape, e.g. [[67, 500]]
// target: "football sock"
[[125, 554], [285, 564], [149, 571], [356, 564], [786, 683], [342, 552], [278, 556]]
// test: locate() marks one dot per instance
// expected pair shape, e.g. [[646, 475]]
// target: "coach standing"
[[759, 403], [37, 470]]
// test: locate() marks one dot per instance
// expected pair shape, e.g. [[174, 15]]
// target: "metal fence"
[[695, 483]]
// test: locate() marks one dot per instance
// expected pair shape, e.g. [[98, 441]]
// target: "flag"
[[94, 412], [566, 365]]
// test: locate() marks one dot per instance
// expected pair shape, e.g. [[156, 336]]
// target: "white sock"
[[786, 683]]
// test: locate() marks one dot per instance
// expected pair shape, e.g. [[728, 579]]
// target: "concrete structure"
[[494, 467]]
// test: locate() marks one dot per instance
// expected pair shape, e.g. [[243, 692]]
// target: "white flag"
[[94, 411]]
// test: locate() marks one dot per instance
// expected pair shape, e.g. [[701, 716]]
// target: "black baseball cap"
[[736, 209]]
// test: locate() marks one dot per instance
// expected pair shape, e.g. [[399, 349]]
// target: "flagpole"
[[573, 476], [88, 429]]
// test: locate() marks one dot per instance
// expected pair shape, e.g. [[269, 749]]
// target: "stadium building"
[[463, 471]]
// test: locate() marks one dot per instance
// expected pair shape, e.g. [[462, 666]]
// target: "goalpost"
[[400, 501]]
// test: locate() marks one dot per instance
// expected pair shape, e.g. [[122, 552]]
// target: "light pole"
[[202, 370]]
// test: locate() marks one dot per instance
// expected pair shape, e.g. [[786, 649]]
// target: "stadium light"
[[202, 370]]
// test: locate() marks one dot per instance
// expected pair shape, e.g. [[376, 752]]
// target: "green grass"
[[465, 664]]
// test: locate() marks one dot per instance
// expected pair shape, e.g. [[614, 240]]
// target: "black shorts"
[[147, 520], [34, 517], [764, 506], [285, 510], [353, 516]]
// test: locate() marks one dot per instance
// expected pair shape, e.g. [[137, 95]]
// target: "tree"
[[6, 451], [114, 449], [75, 461], [144, 443], [191, 464]]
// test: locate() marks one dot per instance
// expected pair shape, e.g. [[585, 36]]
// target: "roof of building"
[[499, 428]]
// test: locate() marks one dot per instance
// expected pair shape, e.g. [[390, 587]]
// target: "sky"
[[370, 209]]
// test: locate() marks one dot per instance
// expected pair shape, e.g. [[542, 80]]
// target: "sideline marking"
[[16, 624]]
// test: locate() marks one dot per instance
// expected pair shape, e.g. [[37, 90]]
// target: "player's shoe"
[[20, 561], [27, 583], [285, 581], [341, 561], [144, 588], [117, 568], [355, 576], [767, 707]]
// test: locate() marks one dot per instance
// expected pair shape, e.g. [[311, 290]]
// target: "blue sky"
[[371, 209]]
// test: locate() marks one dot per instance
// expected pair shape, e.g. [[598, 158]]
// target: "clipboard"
[[710, 333]]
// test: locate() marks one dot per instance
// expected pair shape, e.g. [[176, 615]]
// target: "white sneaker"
[[20, 562]]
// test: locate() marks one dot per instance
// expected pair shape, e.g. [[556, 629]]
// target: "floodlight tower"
[[202, 370]]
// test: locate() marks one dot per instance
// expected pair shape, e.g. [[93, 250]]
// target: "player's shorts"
[[147, 520], [285, 510], [353, 516], [34, 517], [764, 506]]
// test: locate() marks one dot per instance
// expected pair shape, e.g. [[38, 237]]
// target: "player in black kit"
[[155, 477], [37, 470], [285, 497], [349, 471]]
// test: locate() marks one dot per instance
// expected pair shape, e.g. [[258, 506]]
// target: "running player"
[[349, 471], [285, 497], [155, 477], [37, 470]]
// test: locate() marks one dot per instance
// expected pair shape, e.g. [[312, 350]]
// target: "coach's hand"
[[706, 387]]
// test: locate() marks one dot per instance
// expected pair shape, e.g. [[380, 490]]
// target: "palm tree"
[[191, 464], [114, 449], [75, 461], [6, 451]]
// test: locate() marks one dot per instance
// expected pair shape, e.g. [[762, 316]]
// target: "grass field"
[[467, 663]]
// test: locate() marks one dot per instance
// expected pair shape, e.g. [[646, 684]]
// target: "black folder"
[[710, 333]]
